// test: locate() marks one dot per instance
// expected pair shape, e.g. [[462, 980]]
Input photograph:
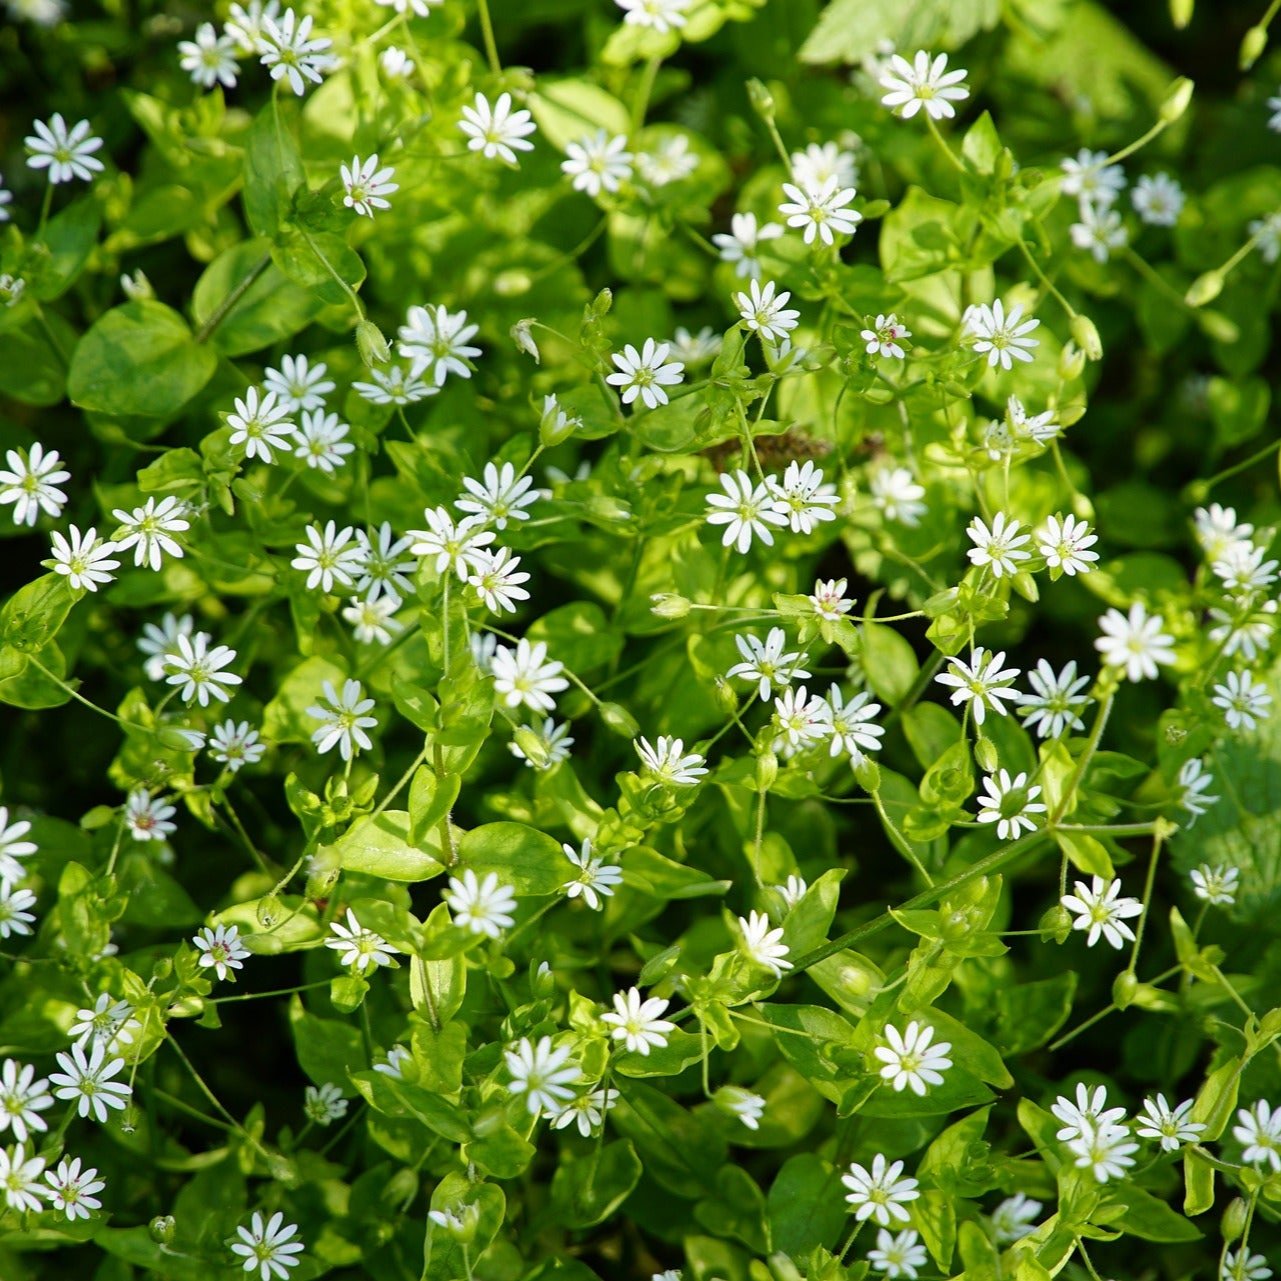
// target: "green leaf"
[[528, 860], [569, 110], [1028, 1014], [1086, 853], [851, 30], [266, 307], [652, 873], [306, 257], [273, 169], [139, 360], [431, 798], [285, 719], [446, 1258], [889, 661], [982, 145], [328, 1051], [1147, 1217], [69, 238], [381, 847], [804, 1206], [32, 616], [588, 1188]]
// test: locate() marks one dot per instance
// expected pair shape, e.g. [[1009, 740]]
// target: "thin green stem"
[[487, 35]]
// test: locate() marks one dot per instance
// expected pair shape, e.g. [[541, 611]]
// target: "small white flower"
[[542, 1073], [829, 599], [358, 947], [483, 907], [149, 530], [792, 890], [344, 720], [384, 568], [394, 1063], [1065, 541], [669, 162], [981, 683], [261, 424], [496, 130], [209, 59], [1135, 642], [23, 1096], [147, 817], [662, 15], [646, 373], [395, 62], [637, 1022], [11, 289], [268, 1246], [497, 578], [766, 663], [1169, 1125], [1266, 233], [1089, 178], [290, 52], [73, 1190], [31, 483], [234, 744], [823, 211], [500, 496], [1056, 701], [821, 161], [913, 1059], [373, 618], [762, 945], [298, 384], [324, 1104], [587, 1111], [885, 336], [1012, 1220], [764, 313], [742, 1105], [1195, 781], [1100, 910], [526, 677], [999, 548], [850, 725], [329, 556], [221, 949], [1258, 1128], [1244, 630], [897, 1254], [746, 510], [1244, 700], [14, 846], [1158, 199], [20, 1179], [419, 8], [197, 672], [457, 547], [1089, 1112], [393, 386], [88, 1079], [1243, 568], [1040, 428], [66, 153], [322, 442], [803, 497], [1099, 232], [667, 762], [158, 641], [1217, 886], [896, 492], [598, 162], [1009, 803], [923, 83], [6, 199], [799, 718], [84, 560], [696, 349], [109, 1020], [596, 879], [555, 740], [1002, 337], [437, 343], [1106, 1152], [879, 1194], [15, 916], [1218, 532], [1241, 1265], [366, 185], [741, 245], [245, 26]]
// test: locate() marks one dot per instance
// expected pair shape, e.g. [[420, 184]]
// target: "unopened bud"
[[512, 283], [1176, 101], [533, 747], [725, 695], [761, 99], [1123, 989], [162, 1228], [1071, 362], [1057, 923], [867, 773], [1234, 1219], [986, 754], [137, 287], [1086, 336], [522, 336], [766, 771], [270, 912], [1181, 13], [1205, 288], [556, 424], [543, 980], [371, 344], [618, 719], [668, 605], [1215, 325], [1256, 40], [1025, 585]]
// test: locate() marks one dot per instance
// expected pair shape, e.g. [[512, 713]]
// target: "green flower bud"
[[668, 605], [986, 754], [1234, 1219], [1218, 327], [533, 746], [619, 719], [371, 344], [1071, 362], [162, 1228], [1181, 13], [1205, 288], [1177, 98], [1256, 40], [1086, 336], [1057, 923], [512, 283], [523, 338], [271, 911], [725, 695], [761, 99], [1123, 989], [766, 771], [867, 774], [1025, 585]]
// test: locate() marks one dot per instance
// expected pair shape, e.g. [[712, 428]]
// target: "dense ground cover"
[[639, 638]]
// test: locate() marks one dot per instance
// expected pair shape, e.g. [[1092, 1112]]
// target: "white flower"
[[11, 289], [1106, 1152], [483, 907], [1170, 1126], [526, 677], [88, 1079], [824, 211], [1217, 530], [394, 1063], [999, 547], [671, 161], [1243, 568], [1099, 232], [148, 530], [366, 185], [268, 1247], [555, 742], [800, 718], [209, 59], [497, 130], [895, 491], [1041, 428], [1158, 199], [31, 483], [84, 560], [1090, 1111], [458, 547], [13, 846], [741, 244], [746, 511], [373, 618], [344, 720], [766, 663], [23, 1096], [40, 13], [420, 8], [383, 572], [1100, 910], [324, 1104], [1216, 885], [437, 343], [1002, 337], [829, 599], [913, 1059], [1245, 630], [637, 1022], [1089, 178], [1012, 1220], [897, 1254], [598, 162], [821, 161], [1134, 642], [497, 578], [1008, 802], [395, 62], [762, 945], [1244, 700], [1195, 780], [6, 198], [662, 15], [501, 496], [923, 83], [884, 336], [803, 497], [73, 1190], [669, 764], [764, 313], [358, 947], [849, 725], [981, 683], [542, 1073], [393, 387], [66, 153], [595, 880], [290, 52], [1258, 1128], [14, 915], [1266, 233], [742, 1105], [147, 817], [234, 745], [220, 949], [879, 1194], [109, 1020], [1241, 1265], [587, 1111], [792, 890], [1064, 541], [322, 440], [298, 384], [245, 26], [1056, 700], [157, 642], [329, 556], [694, 349], [20, 1179], [260, 424], [197, 670], [646, 373]]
